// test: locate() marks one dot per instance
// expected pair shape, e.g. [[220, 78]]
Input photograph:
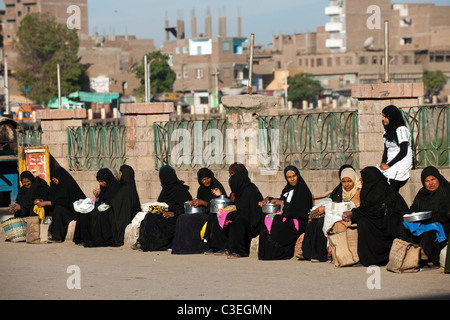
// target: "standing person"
[[93, 228], [157, 231], [64, 191], [187, 234], [280, 233], [247, 219], [32, 189], [125, 205], [379, 217], [397, 156], [431, 234]]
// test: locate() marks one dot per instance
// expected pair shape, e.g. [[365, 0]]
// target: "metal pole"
[[285, 84], [250, 67], [146, 78], [59, 87], [386, 51], [6, 87]]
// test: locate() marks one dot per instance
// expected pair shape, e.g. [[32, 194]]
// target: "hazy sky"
[[265, 18]]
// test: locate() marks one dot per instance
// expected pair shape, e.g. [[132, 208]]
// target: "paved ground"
[[45, 271]]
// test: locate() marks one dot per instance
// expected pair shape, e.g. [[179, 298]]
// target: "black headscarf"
[[395, 120], [437, 201], [39, 189], [107, 193], [247, 198], [67, 191], [204, 193], [125, 204], [302, 200], [173, 192], [374, 187]]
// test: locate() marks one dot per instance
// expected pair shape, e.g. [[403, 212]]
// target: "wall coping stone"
[[60, 114], [388, 91], [147, 108]]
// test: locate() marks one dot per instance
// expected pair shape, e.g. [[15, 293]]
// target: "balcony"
[[333, 10], [333, 27], [334, 43]]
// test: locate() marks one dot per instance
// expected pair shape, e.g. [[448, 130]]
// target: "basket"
[[15, 229]]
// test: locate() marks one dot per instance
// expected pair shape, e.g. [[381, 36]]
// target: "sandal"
[[233, 256]]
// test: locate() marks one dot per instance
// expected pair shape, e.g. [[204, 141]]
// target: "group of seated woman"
[[376, 208]]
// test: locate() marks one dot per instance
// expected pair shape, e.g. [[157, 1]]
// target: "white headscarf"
[[350, 173]]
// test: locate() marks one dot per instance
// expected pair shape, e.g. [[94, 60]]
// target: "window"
[[177, 50], [374, 59], [338, 61], [319, 62], [204, 100], [407, 59], [199, 73], [226, 46], [363, 60], [185, 49], [329, 62], [404, 41]]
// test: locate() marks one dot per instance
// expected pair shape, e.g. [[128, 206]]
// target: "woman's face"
[[384, 119], [206, 181], [102, 183], [431, 183], [119, 175], [347, 183], [292, 178], [26, 183]]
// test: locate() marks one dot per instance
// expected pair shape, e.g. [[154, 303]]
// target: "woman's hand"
[[42, 204], [216, 192], [96, 192], [384, 166], [198, 203], [347, 216], [168, 214]]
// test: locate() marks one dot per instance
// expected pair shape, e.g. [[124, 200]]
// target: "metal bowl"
[[191, 210], [218, 203], [270, 208], [417, 216]]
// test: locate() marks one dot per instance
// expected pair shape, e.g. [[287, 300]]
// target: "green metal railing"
[[309, 140], [324, 140], [96, 147], [31, 136], [430, 134]]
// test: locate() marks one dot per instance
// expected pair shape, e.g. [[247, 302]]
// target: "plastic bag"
[[84, 205]]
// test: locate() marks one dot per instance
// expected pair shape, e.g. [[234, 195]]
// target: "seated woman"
[[431, 234], [157, 231], [315, 244], [281, 231], [248, 217], [64, 191], [125, 205], [379, 217], [94, 228], [33, 189], [187, 234]]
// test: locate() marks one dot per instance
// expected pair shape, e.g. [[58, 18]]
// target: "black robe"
[[156, 232], [379, 217], [438, 202], [280, 242], [94, 228], [187, 239], [62, 197], [39, 189], [125, 205], [248, 218]]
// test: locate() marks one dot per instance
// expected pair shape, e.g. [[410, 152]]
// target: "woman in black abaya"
[[248, 218], [187, 234], [434, 196], [379, 217], [125, 205], [95, 227], [33, 188], [157, 231], [64, 191], [277, 241]]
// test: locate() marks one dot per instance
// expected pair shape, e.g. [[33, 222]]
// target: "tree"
[[433, 81], [42, 44], [162, 76], [303, 87]]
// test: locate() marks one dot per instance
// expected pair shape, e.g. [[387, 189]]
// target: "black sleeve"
[[402, 153], [384, 159]]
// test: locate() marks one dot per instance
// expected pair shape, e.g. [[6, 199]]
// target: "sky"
[[265, 18]]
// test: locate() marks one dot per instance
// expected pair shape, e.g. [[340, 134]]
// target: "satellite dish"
[[99, 41], [369, 41]]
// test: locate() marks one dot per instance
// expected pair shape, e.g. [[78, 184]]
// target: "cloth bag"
[[344, 245], [404, 257], [33, 232]]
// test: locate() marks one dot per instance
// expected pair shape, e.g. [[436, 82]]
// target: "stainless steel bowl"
[[270, 208], [191, 210], [417, 216], [218, 203]]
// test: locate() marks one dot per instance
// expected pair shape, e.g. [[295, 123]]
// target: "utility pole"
[[285, 84], [216, 74], [7, 88]]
